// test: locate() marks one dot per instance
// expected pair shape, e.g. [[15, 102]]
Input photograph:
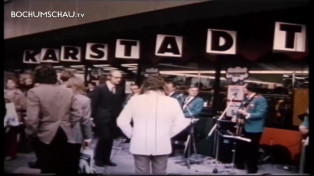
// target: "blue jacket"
[[179, 96], [258, 109], [194, 108]]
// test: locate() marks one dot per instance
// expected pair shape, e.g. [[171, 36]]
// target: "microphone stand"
[[190, 141]]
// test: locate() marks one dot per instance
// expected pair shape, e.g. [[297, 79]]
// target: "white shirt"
[[156, 118], [249, 97]]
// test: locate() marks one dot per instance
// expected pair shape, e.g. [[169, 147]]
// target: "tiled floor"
[[121, 156]]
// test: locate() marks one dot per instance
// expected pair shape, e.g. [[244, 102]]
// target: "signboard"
[[221, 41], [151, 71], [237, 74], [49, 55], [289, 37], [96, 52], [169, 45], [70, 54], [31, 57], [127, 49], [235, 93]]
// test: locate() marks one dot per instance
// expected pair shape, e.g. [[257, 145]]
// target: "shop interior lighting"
[[250, 72], [129, 65], [102, 65], [133, 68], [58, 66], [76, 66], [109, 68]]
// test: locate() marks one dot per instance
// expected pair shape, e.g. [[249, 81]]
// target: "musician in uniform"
[[251, 117]]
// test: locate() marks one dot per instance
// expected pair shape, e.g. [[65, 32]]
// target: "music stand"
[[234, 139]]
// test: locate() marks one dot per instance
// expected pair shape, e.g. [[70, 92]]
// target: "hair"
[[66, 75], [14, 80], [153, 83], [252, 87], [171, 82], [45, 74], [134, 84], [78, 83], [102, 79]]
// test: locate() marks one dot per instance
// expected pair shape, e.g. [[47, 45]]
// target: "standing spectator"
[[15, 95], [65, 76], [82, 131], [51, 113], [304, 129], [90, 88], [107, 101], [156, 119], [135, 90], [171, 91]]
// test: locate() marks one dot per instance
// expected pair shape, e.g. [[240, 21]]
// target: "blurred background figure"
[[135, 90], [171, 91], [65, 76], [90, 88], [13, 131], [82, 131]]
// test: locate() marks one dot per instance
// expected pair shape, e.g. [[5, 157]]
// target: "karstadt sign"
[[287, 37]]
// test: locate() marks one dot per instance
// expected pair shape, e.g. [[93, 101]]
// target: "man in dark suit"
[[171, 92], [107, 101], [254, 111]]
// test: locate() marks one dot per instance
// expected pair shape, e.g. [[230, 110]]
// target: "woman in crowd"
[[81, 132], [15, 95]]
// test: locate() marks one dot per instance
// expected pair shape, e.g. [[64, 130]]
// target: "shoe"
[[33, 165], [240, 166], [252, 171], [109, 163], [100, 164]]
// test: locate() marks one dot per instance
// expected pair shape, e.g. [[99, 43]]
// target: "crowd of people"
[[61, 116]]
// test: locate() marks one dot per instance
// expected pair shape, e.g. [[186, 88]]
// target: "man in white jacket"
[[156, 119]]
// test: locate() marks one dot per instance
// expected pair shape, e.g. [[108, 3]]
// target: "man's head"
[[250, 88], [115, 77], [66, 75], [45, 74], [135, 89], [170, 87], [193, 91]]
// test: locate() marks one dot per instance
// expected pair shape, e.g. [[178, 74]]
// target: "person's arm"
[[75, 111], [86, 123], [32, 114], [179, 122], [124, 119], [94, 100], [260, 110]]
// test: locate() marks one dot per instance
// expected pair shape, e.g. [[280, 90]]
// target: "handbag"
[[86, 164], [11, 117]]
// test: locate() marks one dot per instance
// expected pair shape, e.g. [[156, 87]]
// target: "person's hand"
[[234, 119], [87, 143], [243, 112], [303, 130]]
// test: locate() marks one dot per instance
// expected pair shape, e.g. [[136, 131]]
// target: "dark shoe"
[[110, 164], [252, 172], [240, 166], [100, 164], [33, 165]]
